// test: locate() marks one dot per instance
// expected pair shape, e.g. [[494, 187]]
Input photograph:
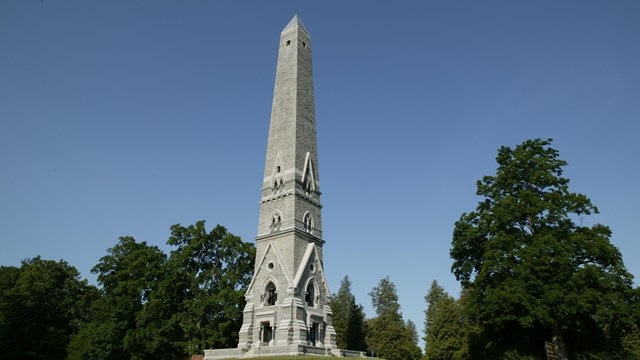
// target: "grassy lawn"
[[287, 357]]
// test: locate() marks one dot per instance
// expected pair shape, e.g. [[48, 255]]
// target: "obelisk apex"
[[295, 21]]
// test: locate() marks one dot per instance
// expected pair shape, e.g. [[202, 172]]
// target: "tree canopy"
[[444, 328], [129, 276], [214, 270], [42, 303], [348, 319], [167, 307], [388, 334], [532, 270]]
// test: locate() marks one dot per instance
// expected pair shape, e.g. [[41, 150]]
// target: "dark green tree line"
[[167, 307], [148, 304]]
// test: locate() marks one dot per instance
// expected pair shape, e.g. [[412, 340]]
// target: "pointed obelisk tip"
[[295, 21]]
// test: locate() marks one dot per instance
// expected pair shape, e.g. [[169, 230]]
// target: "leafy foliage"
[[348, 319], [388, 334], [631, 343], [412, 344], [41, 305], [214, 270], [129, 276], [445, 331], [532, 273], [154, 306]]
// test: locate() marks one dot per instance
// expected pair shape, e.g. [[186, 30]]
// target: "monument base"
[[293, 350]]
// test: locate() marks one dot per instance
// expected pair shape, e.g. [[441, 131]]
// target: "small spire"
[[295, 21]]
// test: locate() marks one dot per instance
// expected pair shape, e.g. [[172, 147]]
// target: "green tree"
[[152, 306], [388, 335], [213, 269], [8, 277], [412, 344], [348, 319], [631, 343], [445, 332], [129, 276], [42, 304], [532, 273]]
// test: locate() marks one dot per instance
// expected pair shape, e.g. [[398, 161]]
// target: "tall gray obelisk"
[[288, 299]]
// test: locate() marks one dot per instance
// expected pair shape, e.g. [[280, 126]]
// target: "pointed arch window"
[[277, 174], [276, 221], [278, 185], [307, 186], [271, 296], [310, 295], [307, 220], [308, 177]]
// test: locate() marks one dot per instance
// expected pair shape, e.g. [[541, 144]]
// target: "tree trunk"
[[559, 341]]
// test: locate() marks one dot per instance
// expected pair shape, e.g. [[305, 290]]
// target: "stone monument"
[[288, 301]]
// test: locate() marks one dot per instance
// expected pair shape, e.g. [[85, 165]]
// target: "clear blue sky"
[[125, 117]]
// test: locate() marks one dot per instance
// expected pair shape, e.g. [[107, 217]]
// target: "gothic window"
[[277, 174], [271, 294], [308, 178], [276, 220], [307, 186], [308, 222], [310, 296], [278, 185]]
